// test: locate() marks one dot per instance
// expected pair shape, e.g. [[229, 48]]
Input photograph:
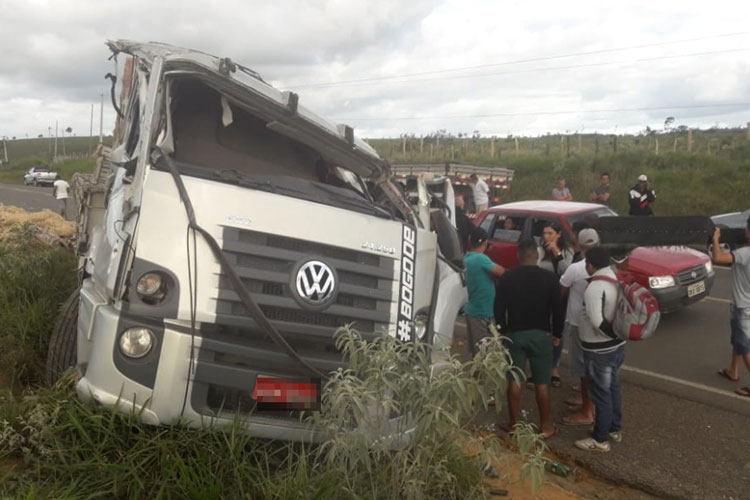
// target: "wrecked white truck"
[[236, 232]]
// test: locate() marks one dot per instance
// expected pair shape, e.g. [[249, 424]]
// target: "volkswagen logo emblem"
[[315, 282], [693, 275]]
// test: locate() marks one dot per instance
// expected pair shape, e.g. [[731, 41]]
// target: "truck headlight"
[[420, 324], [661, 281], [709, 267], [136, 342], [151, 288]]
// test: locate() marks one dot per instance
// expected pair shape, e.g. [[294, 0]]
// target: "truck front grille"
[[235, 350]]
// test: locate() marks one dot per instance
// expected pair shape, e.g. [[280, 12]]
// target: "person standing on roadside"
[[463, 224], [561, 192], [529, 310], [641, 197], [603, 193], [481, 193], [739, 308], [60, 192], [555, 255], [480, 284], [603, 351], [573, 284]]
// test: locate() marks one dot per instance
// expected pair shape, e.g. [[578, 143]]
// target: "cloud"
[[58, 60]]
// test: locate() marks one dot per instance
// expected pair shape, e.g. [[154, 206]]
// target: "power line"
[[559, 112], [552, 68], [520, 61]]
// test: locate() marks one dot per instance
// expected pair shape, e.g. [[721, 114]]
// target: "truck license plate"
[[696, 288], [276, 393]]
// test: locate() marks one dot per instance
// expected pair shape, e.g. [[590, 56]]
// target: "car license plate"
[[696, 288]]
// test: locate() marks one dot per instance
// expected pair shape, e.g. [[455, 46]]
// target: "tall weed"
[[34, 281]]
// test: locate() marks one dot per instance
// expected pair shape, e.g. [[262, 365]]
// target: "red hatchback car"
[[677, 276]]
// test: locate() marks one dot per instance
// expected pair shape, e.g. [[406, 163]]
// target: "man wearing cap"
[[573, 284], [480, 284], [641, 197]]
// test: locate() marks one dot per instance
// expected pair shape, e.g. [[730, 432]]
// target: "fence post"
[[403, 145], [567, 145], [690, 140], [674, 146], [492, 144], [562, 144], [656, 146], [517, 149], [421, 145], [579, 144], [430, 150]]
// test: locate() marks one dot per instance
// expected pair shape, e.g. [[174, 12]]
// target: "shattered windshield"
[[217, 139]]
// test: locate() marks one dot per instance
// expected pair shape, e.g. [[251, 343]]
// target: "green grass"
[[54, 446], [710, 180], [20, 149], [13, 173], [34, 281]]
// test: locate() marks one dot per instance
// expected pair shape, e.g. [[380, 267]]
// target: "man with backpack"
[[603, 351]]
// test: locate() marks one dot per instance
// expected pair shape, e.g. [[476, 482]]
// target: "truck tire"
[[62, 352]]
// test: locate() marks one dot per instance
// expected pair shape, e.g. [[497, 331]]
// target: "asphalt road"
[[686, 432], [31, 198]]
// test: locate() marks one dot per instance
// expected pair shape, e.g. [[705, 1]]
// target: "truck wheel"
[[62, 353]]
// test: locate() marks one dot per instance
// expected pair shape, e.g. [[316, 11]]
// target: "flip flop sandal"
[[743, 391], [552, 434], [725, 373], [556, 381]]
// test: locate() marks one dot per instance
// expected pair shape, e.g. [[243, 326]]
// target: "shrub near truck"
[[677, 276]]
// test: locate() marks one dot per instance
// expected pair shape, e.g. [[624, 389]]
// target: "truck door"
[[504, 234]]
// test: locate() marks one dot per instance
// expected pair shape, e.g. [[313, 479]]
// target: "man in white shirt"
[[603, 352], [573, 283], [739, 308], [60, 192], [481, 198]]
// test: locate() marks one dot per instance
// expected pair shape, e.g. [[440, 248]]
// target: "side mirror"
[[447, 237]]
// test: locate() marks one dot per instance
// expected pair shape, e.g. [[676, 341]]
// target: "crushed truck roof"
[[280, 109]]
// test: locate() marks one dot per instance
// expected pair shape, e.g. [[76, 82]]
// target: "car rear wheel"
[[62, 352]]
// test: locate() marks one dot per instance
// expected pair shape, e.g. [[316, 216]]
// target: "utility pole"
[[54, 158], [101, 120], [91, 128], [5, 150], [49, 142]]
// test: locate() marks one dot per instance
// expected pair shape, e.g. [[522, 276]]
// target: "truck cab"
[[238, 232]]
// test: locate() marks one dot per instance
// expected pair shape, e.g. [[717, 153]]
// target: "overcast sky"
[[389, 67]]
